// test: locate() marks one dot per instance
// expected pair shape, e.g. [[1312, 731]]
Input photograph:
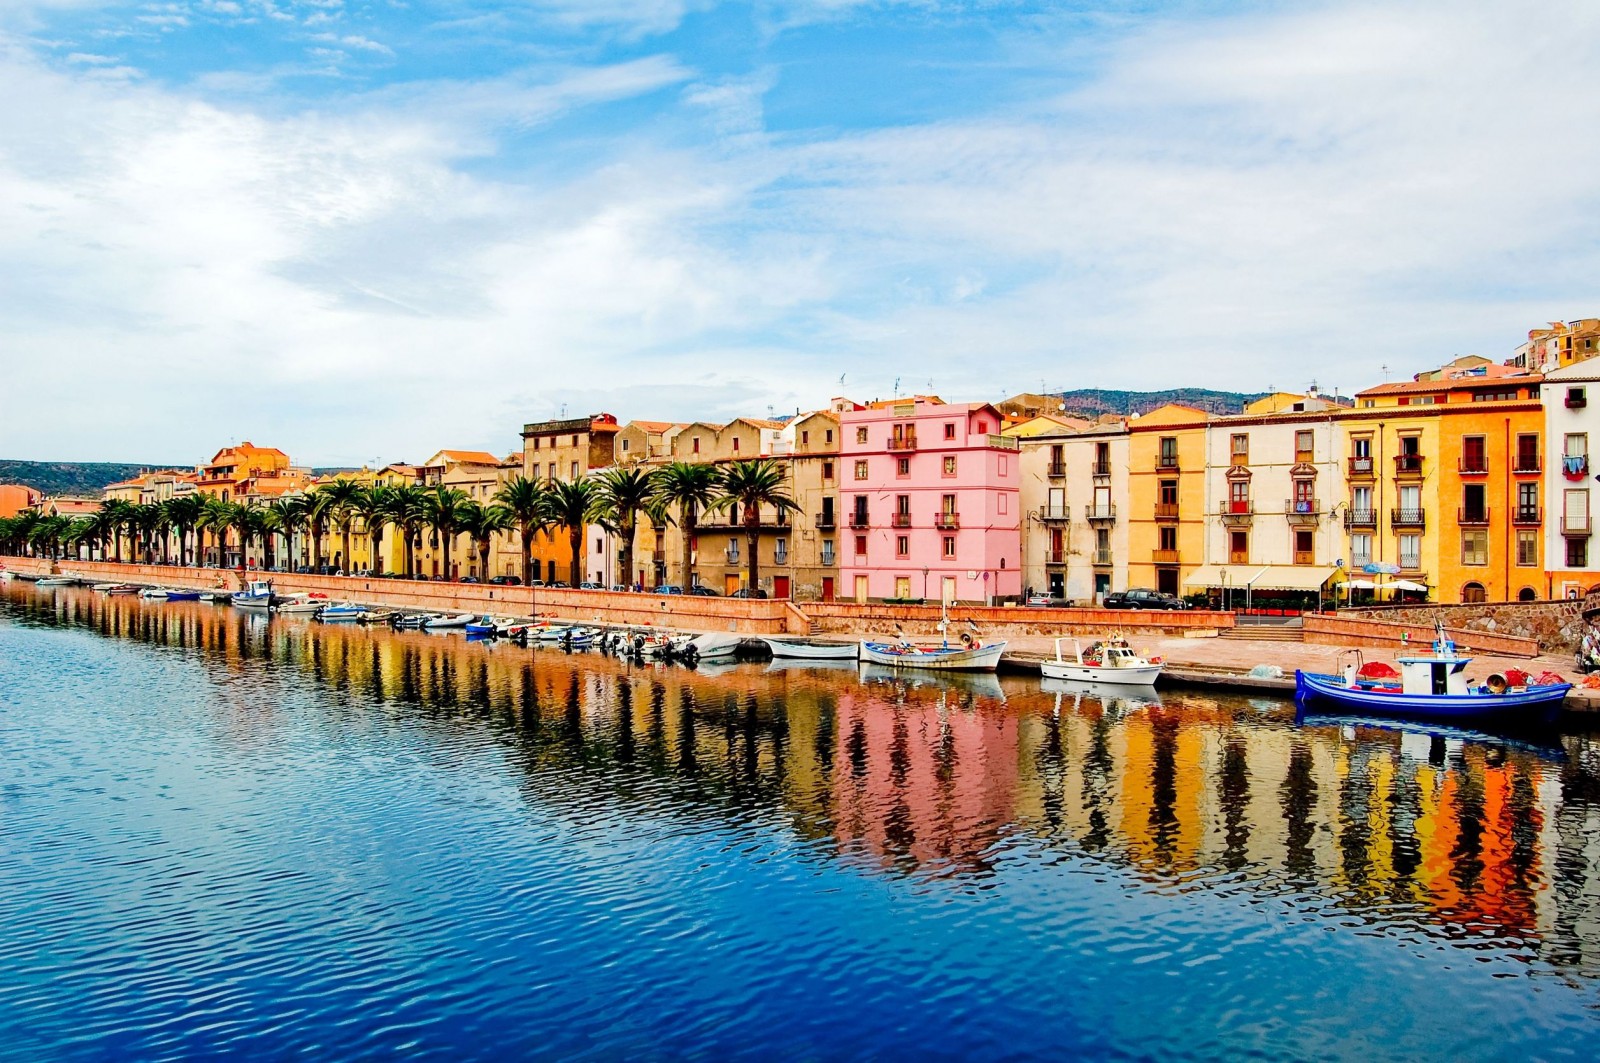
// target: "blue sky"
[[368, 229]]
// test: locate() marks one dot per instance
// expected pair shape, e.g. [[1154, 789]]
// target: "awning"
[[1261, 577]]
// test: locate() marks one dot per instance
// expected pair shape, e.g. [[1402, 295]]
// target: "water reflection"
[[1479, 841]]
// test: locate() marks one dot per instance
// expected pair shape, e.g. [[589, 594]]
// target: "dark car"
[[669, 588], [1143, 598], [506, 581], [748, 592], [704, 591], [467, 579]]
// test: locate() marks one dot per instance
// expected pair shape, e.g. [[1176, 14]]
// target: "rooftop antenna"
[[841, 379], [897, 387], [1385, 369], [563, 410]]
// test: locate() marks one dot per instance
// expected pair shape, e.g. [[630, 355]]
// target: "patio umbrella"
[[1361, 585], [1406, 585]]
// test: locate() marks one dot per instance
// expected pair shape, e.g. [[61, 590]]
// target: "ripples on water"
[[219, 834]]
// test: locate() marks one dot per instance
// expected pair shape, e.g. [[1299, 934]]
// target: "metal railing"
[[1056, 470], [947, 521], [1527, 515], [1360, 518], [825, 521], [1412, 517], [1472, 517], [902, 520], [1105, 512]]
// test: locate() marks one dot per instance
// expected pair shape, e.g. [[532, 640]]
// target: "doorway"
[[780, 586], [827, 588], [861, 589]]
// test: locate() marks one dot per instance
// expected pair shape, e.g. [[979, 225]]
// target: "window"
[[552, 470], [1577, 553], [1527, 453], [1240, 449], [536, 442], [574, 439], [1474, 455], [861, 435], [902, 546], [574, 470], [805, 438], [947, 504], [902, 467], [827, 551], [625, 443], [1168, 492], [1239, 496], [827, 435], [1360, 549], [827, 470], [1411, 552], [949, 430], [733, 548], [736, 444], [949, 546], [949, 465], [861, 544], [1527, 548], [1361, 447], [861, 470], [1005, 504], [1474, 592], [1495, 396], [1474, 546], [1303, 445], [1528, 501], [696, 442], [1168, 453], [1239, 548], [599, 546], [1304, 548], [1472, 507], [1577, 398], [1169, 538]]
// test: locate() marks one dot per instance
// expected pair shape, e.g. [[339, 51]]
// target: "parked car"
[[468, 579], [1044, 601], [669, 588], [560, 585], [588, 585], [1143, 598], [703, 591], [748, 592], [506, 581], [536, 583]]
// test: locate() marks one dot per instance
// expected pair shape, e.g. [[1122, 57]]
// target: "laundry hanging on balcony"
[[1574, 466]]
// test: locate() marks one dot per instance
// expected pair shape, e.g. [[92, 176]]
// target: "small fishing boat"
[[256, 595], [341, 613], [443, 621], [810, 649], [154, 594], [103, 587], [970, 654], [376, 616], [55, 581], [482, 627], [1435, 687], [180, 594], [409, 621], [1110, 660], [298, 605], [122, 588]]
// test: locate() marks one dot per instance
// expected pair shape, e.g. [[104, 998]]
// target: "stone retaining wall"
[[1557, 626], [1342, 629], [748, 616], [1015, 621]]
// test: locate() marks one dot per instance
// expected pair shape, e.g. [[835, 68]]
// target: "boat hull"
[[813, 649], [935, 659], [1144, 676], [1535, 705]]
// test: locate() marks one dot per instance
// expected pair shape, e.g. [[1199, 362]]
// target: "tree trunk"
[[527, 555], [483, 560], [752, 534], [444, 553], [690, 524], [575, 534], [629, 529], [344, 562], [316, 547]]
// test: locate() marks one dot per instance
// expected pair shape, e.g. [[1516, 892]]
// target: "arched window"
[[1473, 592], [1527, 594]]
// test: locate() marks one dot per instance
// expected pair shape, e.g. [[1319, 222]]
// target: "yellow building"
[[1166, 511]]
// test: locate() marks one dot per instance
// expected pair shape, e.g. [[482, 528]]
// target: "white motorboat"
[[298, 605], [341, 612], [1109, 660], [713, 645], [55, 581], [801, 648], [155, 594], [443, 621]]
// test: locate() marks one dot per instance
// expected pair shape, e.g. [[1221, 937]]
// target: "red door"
[[780, 586], [827, 588]]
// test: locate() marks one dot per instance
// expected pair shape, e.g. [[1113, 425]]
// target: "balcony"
[[1102, 557], [732, 555], [1100, 468], [995, 442], [905, 442], [1236, 513], [1360, 518], [825, 522], [1472, 518], [1575, 524], [1361, 468], [1166, 511], [901, 520], [1054, 513], [780, 557], [1410, 562], [1575, 466], [1057, 470], [1305, 557], [829, 559], [1576, 400], [1164, 557], [1055, 557], [859, 520], [1409, 465], [1526, 465], [1527, 515], [1474, 465], [1408, 518], [1105, 514], [1302, 510], [947, 521]]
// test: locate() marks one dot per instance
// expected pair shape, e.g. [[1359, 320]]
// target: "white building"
[[1571, 398]]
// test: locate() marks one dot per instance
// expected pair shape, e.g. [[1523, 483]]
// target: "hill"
[[1091, 402], [68, 477]]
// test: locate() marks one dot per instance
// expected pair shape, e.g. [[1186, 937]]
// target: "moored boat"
[[443, 621], [55, 581], [945, 657], [256, 595], [1435, 687], [1109, 660], [297, 605], [341, 612], [801, 648], [180, 594]]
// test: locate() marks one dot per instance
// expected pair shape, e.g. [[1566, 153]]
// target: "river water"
[[220, 834]]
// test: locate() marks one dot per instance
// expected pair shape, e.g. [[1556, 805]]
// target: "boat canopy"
[[1261, 577]]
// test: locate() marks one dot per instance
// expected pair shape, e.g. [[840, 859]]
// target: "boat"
[[712, 645], [297, 605], [121, 588], [257, 594], [1109, 660], [103, 587], [182, 595], [1435, 687], [810, 649], [341, 612], [376, 616], [55, 581], [970, 654], [482, 627], [154, 594], [441, 621]]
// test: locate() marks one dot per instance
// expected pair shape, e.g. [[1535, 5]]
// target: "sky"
[[366, 230]]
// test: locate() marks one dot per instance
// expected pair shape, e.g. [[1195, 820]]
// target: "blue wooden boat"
[[181, 595], [483, 628], [1435, 687]]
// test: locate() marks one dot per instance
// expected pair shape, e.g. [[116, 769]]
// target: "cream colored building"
[[1074, 489]]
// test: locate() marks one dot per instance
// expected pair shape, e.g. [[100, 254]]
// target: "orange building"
[[14, 498], [246, 471]]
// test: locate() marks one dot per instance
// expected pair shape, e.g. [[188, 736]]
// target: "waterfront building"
[[1166, 511], [564, 449], [644, 441], [1558, 345], [14, 498], [1444, 481], [932, 502], [812, 444], [1570, 424], [239, 472], [1074, 492]]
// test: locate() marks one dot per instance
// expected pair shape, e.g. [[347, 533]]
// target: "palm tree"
[[751, 485], [250, 521], [445, 509], [343, 496], [22, 526], [480, 523], [118, 514], [621, 493], [691, 487], [183, 511], [374, 507], [218, 519], [289, 515], [146, 522], [408, 511], [572, 506], [319, 510], [528, 503]]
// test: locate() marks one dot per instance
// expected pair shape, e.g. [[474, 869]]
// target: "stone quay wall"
[[1012, 621], [1342, 629], [1557, 626]]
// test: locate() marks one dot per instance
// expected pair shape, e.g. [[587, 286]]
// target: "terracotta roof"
[[471, 457], [653, 427], [761, 422], [1422, 387]]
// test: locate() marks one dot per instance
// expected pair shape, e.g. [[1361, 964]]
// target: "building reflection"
[[1472, 840]]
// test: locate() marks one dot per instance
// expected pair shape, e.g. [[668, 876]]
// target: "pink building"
[[930, 497]]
